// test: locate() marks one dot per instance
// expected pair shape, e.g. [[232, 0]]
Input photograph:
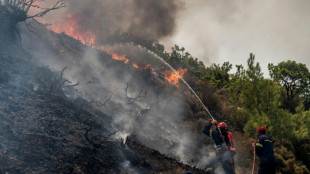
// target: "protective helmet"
[[222, 125], [261, 130]]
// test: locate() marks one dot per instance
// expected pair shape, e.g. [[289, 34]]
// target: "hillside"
[[44, 131]]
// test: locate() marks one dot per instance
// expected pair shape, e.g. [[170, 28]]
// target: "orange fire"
[[72, 28], [173, 77], [120, 58], [151, 69], [135, 66], [114, 55]]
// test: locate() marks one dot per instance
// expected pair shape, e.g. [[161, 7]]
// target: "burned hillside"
[[43, 131]]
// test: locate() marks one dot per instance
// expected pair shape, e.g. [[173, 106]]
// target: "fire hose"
[[254, 155]]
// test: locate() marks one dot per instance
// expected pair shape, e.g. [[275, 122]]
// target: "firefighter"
[[264, 150], [224, 151]]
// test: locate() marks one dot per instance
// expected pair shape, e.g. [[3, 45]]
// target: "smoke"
[[152, 19], [218, 31]]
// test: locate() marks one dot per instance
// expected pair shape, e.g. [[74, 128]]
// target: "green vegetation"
[[294, 77]]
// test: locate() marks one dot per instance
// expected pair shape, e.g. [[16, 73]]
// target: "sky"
[[216, 31]]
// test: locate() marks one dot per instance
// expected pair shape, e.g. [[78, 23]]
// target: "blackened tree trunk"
[[9, 17]]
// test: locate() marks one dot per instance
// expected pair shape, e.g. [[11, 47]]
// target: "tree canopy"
[[295, 78]]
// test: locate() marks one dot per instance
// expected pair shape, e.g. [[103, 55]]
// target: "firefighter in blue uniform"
[[264, 150], [224, 151]]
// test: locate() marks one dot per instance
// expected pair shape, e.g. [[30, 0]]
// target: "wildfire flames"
[[173, 77], [135, 66], [71, 28], [120, 58]]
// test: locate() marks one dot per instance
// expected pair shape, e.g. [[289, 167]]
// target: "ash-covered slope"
[[138, 101], [44, 131]]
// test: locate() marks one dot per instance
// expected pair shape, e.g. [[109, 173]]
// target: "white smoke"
[[218, 31]]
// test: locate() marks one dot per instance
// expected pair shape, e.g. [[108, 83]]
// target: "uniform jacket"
[[264, 150], [216, 136]]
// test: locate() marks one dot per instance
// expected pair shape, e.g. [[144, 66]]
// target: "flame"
[[72, 28], [151, 69], [135, 66], [114, 55], [120, 58], [173, 77]]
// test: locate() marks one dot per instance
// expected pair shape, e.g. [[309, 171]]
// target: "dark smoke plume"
[[151, 19]]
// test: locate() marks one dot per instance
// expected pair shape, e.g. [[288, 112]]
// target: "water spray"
[[191, 89]]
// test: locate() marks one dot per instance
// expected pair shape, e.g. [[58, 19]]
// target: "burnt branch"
[[134, 99], [60, 83], [104, 103], [57, 5], [33, 5], [98, 103], [57, 81], [138, 113], [92, 140], [140, 95], [89, 139], [126, 90], [109, 135], [76, 84]]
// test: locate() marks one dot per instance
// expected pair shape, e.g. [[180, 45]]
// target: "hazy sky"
[[224, 30]]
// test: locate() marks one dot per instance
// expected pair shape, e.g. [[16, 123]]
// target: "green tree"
[[257, 98], [247, 86], [295, 78], [306, 98], [218, 75]]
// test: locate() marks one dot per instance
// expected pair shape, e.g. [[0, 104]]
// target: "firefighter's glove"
[[214, 122]]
